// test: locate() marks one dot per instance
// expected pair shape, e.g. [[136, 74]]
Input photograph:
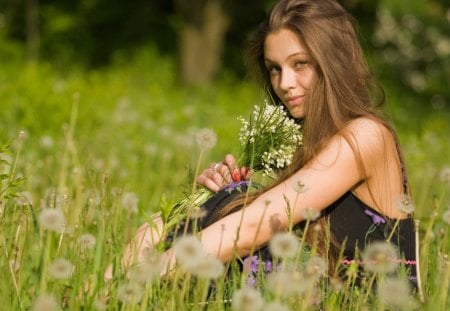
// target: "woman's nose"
[[288, 80]]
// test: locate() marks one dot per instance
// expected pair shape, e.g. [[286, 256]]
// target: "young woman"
[[349, 166]]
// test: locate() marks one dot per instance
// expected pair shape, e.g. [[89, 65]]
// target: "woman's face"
[[290, 69]]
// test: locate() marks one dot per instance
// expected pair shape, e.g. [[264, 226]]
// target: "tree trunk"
[[201, 40], [32, 29]]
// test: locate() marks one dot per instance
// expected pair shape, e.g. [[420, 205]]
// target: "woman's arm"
[[326, 178]]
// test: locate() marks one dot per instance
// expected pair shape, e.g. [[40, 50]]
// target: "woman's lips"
[[294, 100]]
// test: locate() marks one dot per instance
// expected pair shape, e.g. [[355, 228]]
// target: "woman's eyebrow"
[[288, 57]]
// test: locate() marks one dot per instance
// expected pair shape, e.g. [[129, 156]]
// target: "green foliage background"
[[103, 109]]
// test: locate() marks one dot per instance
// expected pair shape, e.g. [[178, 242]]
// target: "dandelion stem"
[[393, 230], [43, 283], [419, 278]]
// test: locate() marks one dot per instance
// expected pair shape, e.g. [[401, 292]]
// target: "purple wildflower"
[[252, 263], [376, 219]]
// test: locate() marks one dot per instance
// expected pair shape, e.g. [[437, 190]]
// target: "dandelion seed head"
[[275, 306], [444, 175], [100, 305], [130, 202], [148, 269], [45, 303], [380, 257], [310, 213], [247, 299], [46, 142], [87, 241], [60, 269], [405, 204], [209, 268], [394, 292], [188, 251], [315, 267], [24, 198], [51, 219], [206, 138], [298, 186], [446, 217], [288, 283], [130, 293], [284, 245]]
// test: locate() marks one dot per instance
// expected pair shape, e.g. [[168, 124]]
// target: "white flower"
[[206, 138], [60, 269], [45, 303], [51, 219], [394, 292], [405, 204], [130, 293], [130, 202], [247, 299], [380, 257], [284, 245], [188, 251], [87, 241]]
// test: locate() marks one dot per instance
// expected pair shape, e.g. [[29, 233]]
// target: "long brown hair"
[[343, 90]]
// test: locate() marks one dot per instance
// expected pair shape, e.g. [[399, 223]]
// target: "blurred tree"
[[32, 29], [203, 24]]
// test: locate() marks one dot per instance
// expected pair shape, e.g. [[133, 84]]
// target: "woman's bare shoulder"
[[371, 137]]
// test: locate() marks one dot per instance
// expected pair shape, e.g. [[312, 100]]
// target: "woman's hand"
[[223, 173]]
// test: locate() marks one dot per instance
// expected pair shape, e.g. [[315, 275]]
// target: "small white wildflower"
[[130, 293], [24, 198], [51, 219], [130, 202], [87, 241], [60, 269], [208, 267], [446, 216], [247, 299], [284, 245], [380, 257], [394, 292], [206, 138], [275, 306], [188, 251], [45, 303], [445, 175], [405, 204], [310, 214]]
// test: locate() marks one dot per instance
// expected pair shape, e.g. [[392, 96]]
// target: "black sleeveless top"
[[350, 220]]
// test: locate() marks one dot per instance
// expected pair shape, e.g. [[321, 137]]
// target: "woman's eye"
[[301, 64], [273, 70]]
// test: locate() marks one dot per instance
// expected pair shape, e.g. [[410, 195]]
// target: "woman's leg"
[[148, 235]]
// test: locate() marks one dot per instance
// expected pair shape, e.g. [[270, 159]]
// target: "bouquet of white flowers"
[[268, 141]]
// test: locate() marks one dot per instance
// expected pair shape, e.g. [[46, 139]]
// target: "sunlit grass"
[[104, 147]]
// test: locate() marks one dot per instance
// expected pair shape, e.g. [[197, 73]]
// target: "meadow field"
[[106, 148]]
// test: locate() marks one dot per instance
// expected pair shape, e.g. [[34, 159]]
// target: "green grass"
[[90, 137]]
